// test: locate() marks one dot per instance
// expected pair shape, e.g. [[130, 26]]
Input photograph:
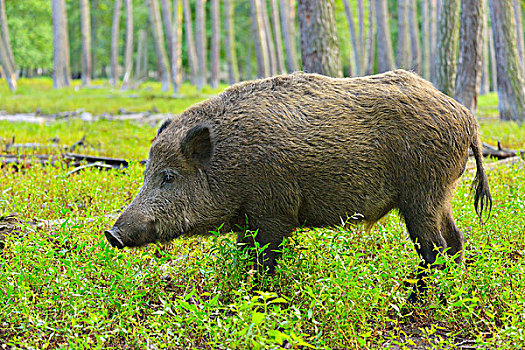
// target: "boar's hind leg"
[[452, 235], [270, 234], [424, 227]]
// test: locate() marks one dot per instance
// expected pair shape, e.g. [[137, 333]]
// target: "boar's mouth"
[[114, 240]]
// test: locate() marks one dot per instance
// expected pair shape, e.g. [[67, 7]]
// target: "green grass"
[[99, 98], [63, 286]]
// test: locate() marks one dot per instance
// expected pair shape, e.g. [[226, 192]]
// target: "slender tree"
[[414, 36], [433, 15], [229, 42], [85, 28], [94, 42], [362, 46], [261, 50], [291, 60], [4, 37], [484, 88], [128, 52], [371, 39], [215, 42], [425, 39], [277, 36], [114, 43], [319, 46], [61, 70], [356, 48], [385, 61], [165, 9], [142, 55], [7, 63], [269, 37], [447, 46], [468, 78], [511, 84], [176, 47], [158, 39], [190, 41], [200, 42], [403, 54]]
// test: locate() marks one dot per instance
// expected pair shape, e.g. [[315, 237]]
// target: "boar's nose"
[[114, 240]]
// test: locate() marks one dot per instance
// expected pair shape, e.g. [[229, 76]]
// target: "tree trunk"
[[277, 36], [493, 68], [7, 64], [176, 47], [519, 31], [61, 77], [361, 21], [371, 39], [215, 42], [142, 55], [85, 27], [414, 36], [511, 84], [291, 61], [484, 87], [468, 78], [200, 42], [447, 46], [94, 22], [158, 39], [165, 9], [114, 43], [434, 10], [190, 41], [403, 54], [358, 55], [231, 54], [261, 50], [128, 52], [319, 47], [4, 30], [385, 61], [425, 39], [269, 38]]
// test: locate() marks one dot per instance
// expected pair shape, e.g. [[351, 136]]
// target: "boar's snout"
[[113, 239], [132, 229]]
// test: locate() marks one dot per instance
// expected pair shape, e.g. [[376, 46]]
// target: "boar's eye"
[[169, 176]]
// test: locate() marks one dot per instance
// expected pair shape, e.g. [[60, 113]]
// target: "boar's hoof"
[[114, 240]]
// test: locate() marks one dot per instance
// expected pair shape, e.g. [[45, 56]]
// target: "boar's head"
[[175, 197]]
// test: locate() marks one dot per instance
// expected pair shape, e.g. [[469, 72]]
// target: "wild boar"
[[306, 149]]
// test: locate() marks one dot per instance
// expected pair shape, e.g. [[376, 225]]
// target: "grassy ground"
[[62, 286], [99, 98]]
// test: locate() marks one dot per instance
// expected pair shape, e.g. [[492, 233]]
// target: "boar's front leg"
[[268, 232]]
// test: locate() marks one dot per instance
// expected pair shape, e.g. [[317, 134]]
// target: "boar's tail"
[[482, 197]]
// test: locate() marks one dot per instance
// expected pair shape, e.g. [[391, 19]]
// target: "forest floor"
[[63, 286]]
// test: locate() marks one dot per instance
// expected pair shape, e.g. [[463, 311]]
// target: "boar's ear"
[[197, 146], [164, 125]]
